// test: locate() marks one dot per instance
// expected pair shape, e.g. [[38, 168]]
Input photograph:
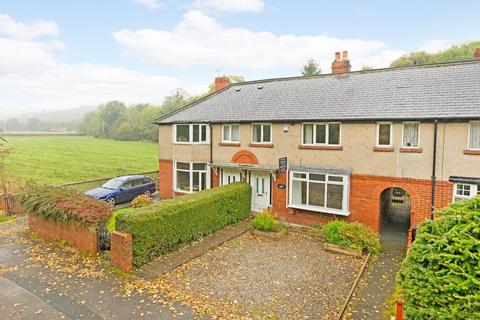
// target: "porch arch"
[[244, 157]]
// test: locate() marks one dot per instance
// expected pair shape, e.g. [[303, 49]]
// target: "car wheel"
[[147, 193], [110, 201]]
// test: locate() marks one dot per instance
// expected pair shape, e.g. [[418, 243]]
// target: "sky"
[[57, 54]]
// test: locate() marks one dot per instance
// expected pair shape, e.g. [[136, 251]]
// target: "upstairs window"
[[231, 133], [474, 135], [321, 134], [191, 133], [384, 134], [411, 134], [464, 191], [261, 133]]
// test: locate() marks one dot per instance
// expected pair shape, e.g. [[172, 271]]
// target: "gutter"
[[434, 164]]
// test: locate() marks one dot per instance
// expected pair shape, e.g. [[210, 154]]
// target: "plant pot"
[[269, 234], [334, 248]]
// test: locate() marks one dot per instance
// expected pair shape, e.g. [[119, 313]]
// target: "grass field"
[[58, 160]]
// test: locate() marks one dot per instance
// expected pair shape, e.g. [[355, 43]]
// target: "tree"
[[366, 68], [34, 124], [454, 53], [311, 68], [13, 125]]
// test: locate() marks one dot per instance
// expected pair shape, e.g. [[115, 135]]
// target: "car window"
[[138, 182], [146, 181], [127, 185]]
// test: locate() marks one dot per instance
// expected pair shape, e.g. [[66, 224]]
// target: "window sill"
[[320, 210], [383, 149], [181, 193], [261, 145], [471, 152], [301, 146], [229, 144], [411, 150], [188, 143]]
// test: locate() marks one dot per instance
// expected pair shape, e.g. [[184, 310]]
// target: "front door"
[[230, 176], [260, 183]]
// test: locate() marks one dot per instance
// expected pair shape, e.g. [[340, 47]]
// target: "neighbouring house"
[[346, 144]]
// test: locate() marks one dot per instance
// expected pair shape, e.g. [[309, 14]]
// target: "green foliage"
[[352, 235], [265, 221], [454, 53], [142, 201], [66, 205], [440, 277], [311, 68], [168, 224]]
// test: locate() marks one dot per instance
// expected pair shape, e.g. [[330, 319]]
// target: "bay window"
[[384, 134], [191, 133], [319, 191], [321, 133], [411, 134], [262, 133], [190, 176], [474, 135], [231, 133]]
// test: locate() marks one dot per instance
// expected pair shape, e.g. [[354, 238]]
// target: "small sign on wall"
[[282, 164], [281, 186]]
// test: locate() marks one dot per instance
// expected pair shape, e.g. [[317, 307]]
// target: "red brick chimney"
[[221, 82], [341, 64], [476, 54]]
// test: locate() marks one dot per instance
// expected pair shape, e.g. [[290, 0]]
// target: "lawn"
[[59, 160]]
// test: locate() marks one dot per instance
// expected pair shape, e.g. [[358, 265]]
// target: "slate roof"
[[440, 91]]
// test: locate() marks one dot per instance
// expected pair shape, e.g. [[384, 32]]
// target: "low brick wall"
[[75, 235], [121, 250]]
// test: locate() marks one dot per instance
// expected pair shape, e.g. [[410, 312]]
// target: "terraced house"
[[346, 144]]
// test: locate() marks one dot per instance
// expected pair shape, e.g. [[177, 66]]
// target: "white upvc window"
[[319, 192], [262, 133], [465, 191], [384, 134], [474, 135], [231, 133], [191, 176], [411, 135], [321, 133], [191, 133]]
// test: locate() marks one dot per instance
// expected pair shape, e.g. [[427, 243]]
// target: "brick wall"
[[365, 191], [165, 185], [75, 235], [121, 251]]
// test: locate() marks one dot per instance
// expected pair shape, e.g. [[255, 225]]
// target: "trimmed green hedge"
[[165, 225], [352, 235], [440, 277]]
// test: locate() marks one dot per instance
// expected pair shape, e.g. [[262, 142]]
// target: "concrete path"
[[370, 299], [171, 261]]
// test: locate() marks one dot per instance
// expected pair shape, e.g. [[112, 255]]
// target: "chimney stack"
[[476, 54], [221, 82], [341, 64]]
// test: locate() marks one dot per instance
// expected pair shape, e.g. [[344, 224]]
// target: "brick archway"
[[244, 157]]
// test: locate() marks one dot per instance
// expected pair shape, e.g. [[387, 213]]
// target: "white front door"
[[230, 176], [260, 183]]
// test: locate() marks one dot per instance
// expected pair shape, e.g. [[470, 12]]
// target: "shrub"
[[439, 279], [65, 205], [264, 221], [142, 201], [166, 225], [352, 235]]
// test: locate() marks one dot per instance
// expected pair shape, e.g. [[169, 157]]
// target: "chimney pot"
[[341, 65], [345, 55], [476, 54], [337, 56], [221, 82]]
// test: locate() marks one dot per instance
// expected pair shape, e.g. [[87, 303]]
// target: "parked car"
[[123, 189]]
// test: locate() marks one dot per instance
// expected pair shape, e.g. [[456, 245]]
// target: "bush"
[[264, 221], [142, 201], [166, 225], [352, 235], [439, 279], [66, 205]]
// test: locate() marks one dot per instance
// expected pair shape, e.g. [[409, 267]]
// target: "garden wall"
[[76, 236]]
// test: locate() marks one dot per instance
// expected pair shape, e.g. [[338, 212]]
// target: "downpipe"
[[434, 165]]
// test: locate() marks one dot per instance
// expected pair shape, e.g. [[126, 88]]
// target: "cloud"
[[230, 5], [200, 41], [151, 4], [26, 31], [434, 46]]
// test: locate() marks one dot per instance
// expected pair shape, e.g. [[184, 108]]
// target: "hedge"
[[166, 225], [65, 205], [440, 277], [352, 235]]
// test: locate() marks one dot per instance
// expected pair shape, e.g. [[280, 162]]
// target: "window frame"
[[390, 138], [190, 176], [262, 124], [327, 134], [469, 147], [345, 195], [230, 125], [403, 133], [190, 133], [474, 191]]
